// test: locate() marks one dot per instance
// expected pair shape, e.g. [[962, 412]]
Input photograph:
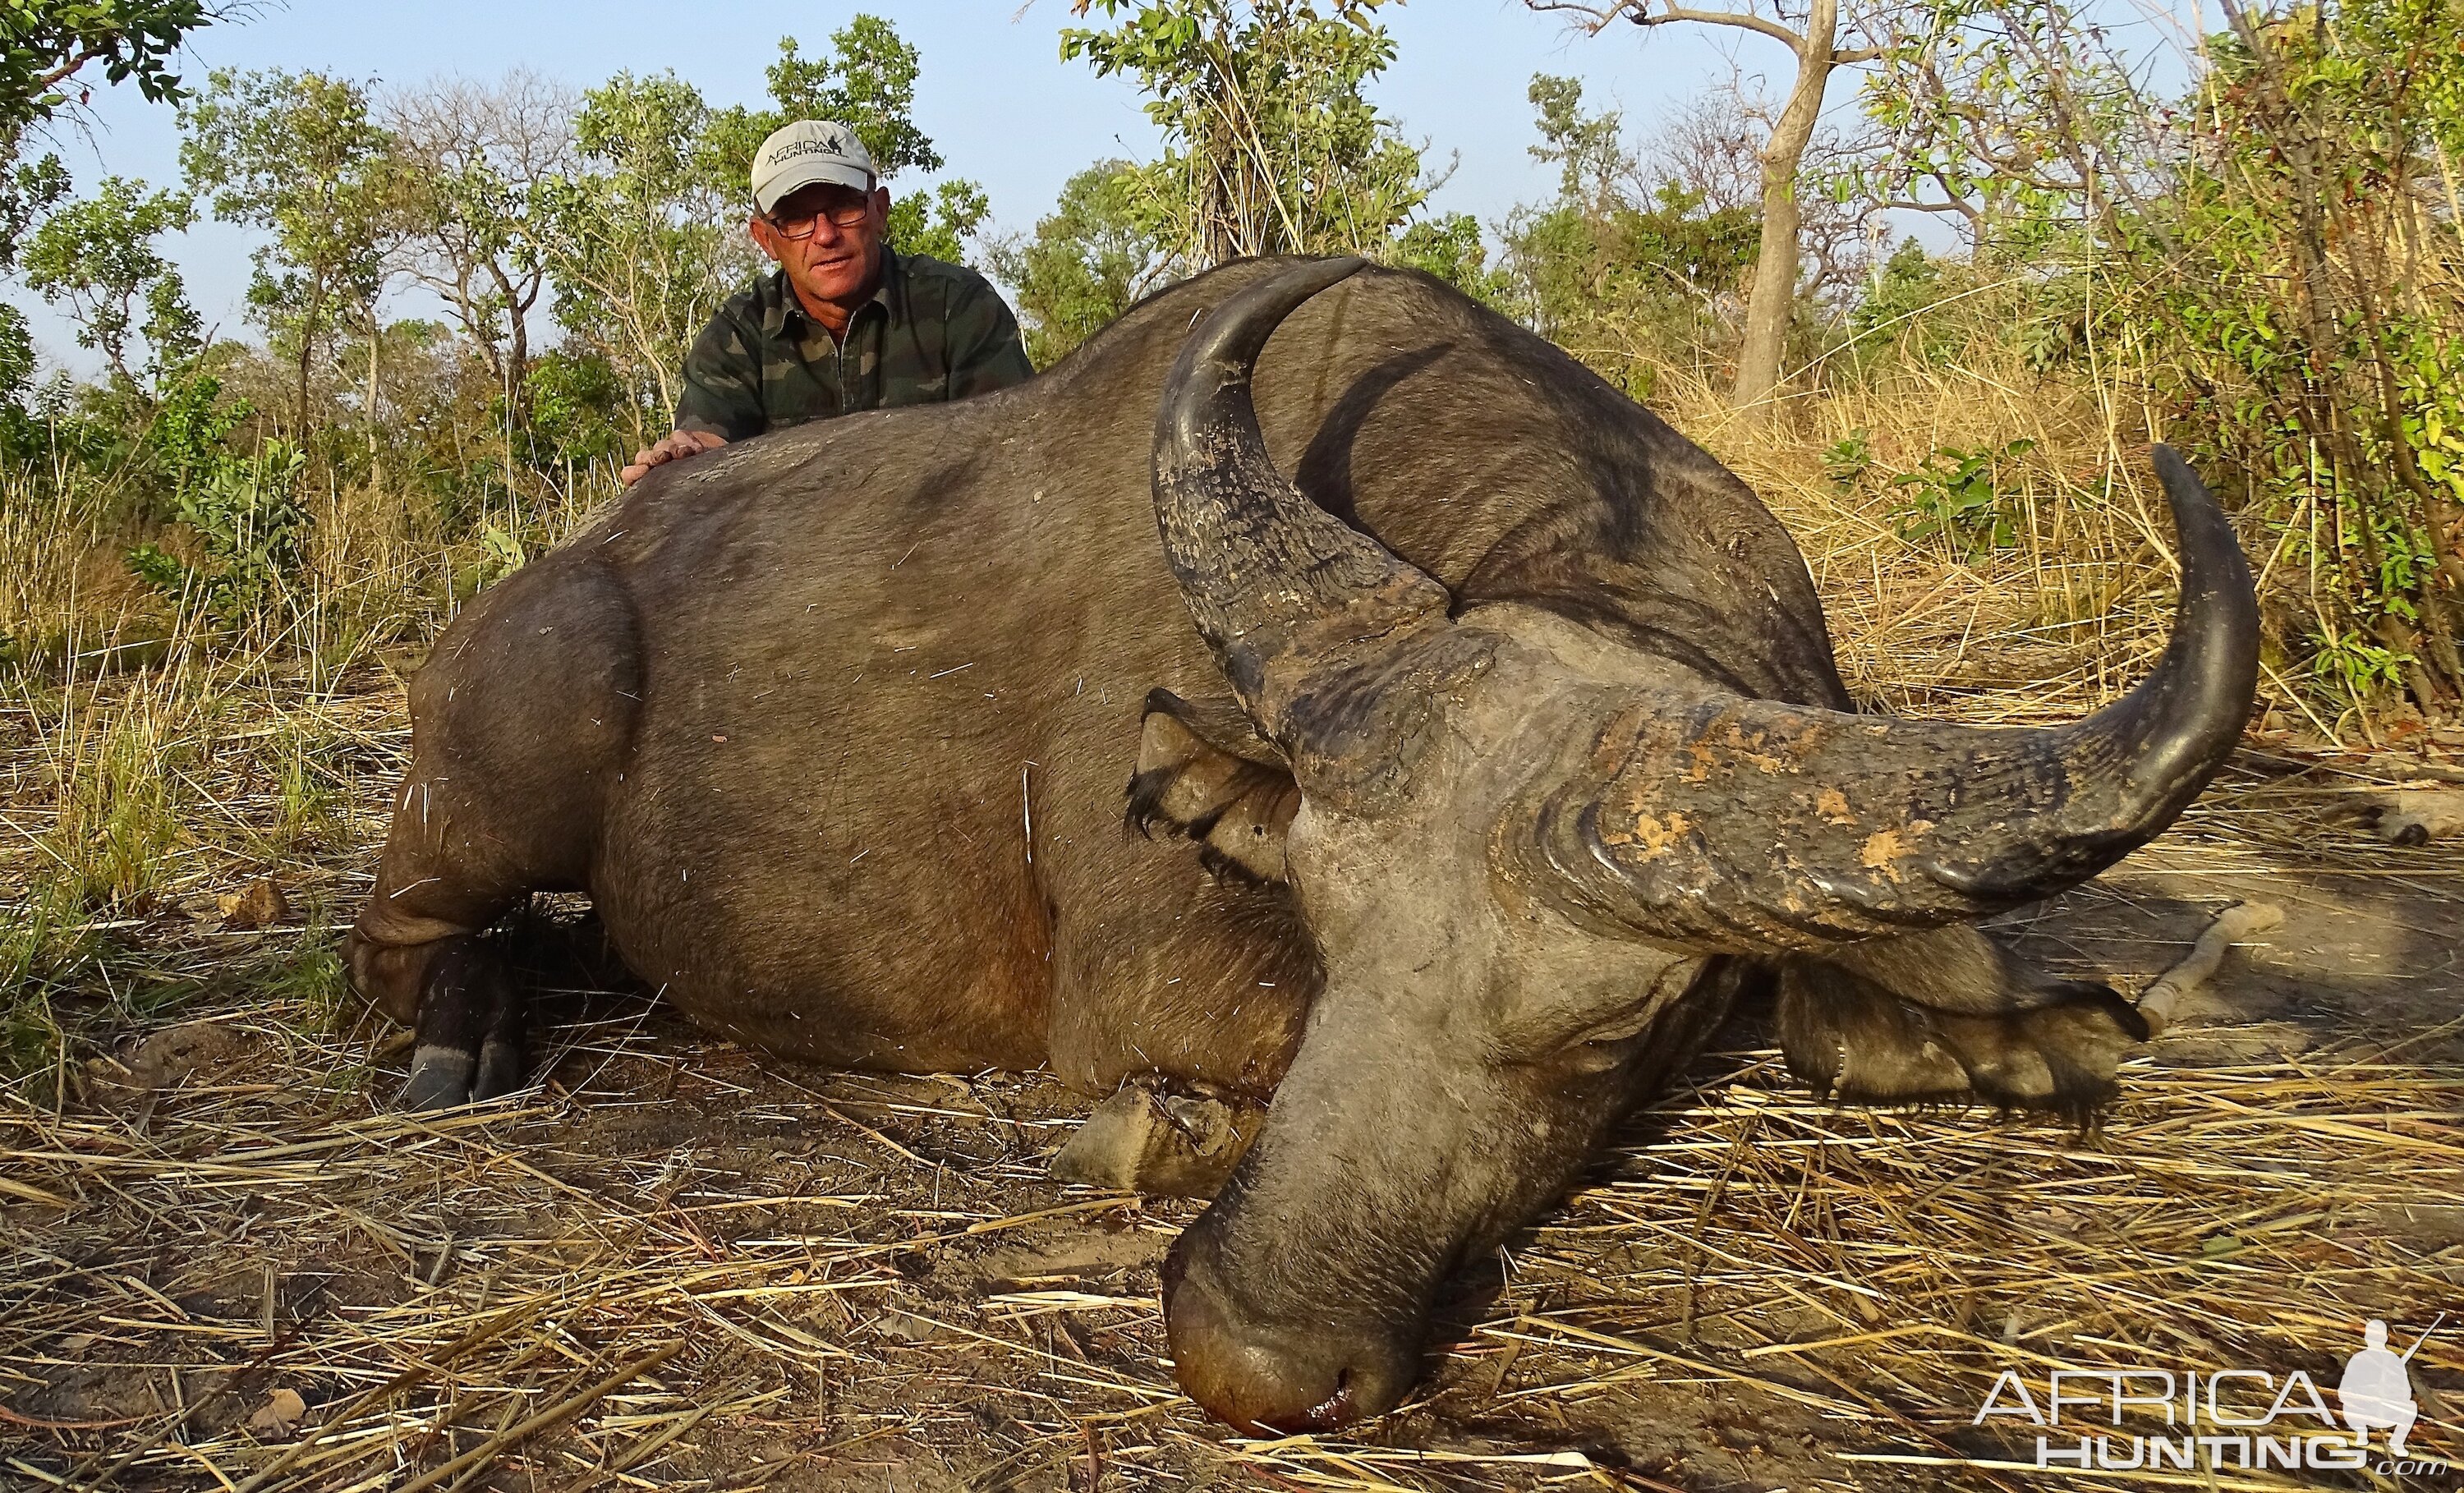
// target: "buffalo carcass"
[[1508, 725]]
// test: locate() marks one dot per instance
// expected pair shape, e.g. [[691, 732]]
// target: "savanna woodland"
[[1932, 290]]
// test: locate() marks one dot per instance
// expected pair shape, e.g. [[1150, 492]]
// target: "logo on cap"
[[830, 145]]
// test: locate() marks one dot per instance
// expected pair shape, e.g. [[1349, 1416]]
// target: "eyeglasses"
[[799, 225]]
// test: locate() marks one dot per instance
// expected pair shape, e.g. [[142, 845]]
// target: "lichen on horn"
[[1756, 826]]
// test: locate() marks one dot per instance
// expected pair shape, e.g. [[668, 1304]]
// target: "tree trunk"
[[511, 369], [307, 353], [1775, 294], [376, 462], [518, 367], [517, 370]]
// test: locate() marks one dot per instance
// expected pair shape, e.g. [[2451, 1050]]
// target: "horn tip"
[[2169, 466], [1324, 272]]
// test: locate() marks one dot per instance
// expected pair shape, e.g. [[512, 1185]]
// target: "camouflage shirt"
[[930, 332]]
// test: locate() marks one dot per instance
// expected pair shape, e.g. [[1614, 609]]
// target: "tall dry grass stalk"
[[2047, 627], [60, 533], [156, 754]]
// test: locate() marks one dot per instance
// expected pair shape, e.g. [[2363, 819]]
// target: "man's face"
[[827, 238]]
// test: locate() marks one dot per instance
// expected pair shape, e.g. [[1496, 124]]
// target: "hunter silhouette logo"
[[2377, 1386], [832, 145]]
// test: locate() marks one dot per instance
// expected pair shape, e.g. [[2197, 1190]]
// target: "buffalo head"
[[1533, 857]]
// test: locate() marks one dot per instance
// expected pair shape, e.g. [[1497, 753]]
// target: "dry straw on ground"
[[225, 1264], [687, 1271]]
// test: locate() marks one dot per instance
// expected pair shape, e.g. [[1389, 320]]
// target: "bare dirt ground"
[[678, 1264]]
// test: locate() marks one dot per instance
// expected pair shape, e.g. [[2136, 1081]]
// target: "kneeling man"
[[843, 323]]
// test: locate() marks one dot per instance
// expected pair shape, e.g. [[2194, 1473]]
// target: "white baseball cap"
[[805, 152]]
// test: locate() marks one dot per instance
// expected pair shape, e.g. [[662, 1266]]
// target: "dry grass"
[[2052, 625], [676, 1267], [703, 1273]]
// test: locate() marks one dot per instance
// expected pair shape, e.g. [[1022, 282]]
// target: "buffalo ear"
[[1204, 773]]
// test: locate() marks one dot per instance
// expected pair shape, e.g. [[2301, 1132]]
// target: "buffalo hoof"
[[470, 1029], [440, 1078], [502, 1067], [448, 1078], [1858, 1042], [1175, 1145]]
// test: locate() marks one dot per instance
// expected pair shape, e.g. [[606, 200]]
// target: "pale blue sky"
[[998, 101]]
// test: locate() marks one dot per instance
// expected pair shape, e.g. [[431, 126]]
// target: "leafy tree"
[[1271, 147], [99, 258], [956, 214], [1594, 168], [27, 191], [298, 156], [45, 45], [867, 83], [1617, 264], [46, 48], [1091, 258], [1450, 248], [644, 240], [1811, 30], [474, 161], [2001, 114]]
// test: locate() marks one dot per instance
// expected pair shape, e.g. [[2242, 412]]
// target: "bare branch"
[[67, 69], [1596, 17], [1671, 11], [1911, 205]]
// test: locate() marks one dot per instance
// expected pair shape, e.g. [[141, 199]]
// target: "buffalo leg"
[[1854, 1040], [470, 1028], [415, 955], [520, 722]]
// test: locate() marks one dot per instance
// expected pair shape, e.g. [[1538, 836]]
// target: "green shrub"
[[1960, 497], [580, 411], [1846, 460], [251, 530]]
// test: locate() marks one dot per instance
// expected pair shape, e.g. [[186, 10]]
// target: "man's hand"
[[674, 445]]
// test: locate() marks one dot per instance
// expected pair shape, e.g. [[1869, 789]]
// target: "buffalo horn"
[[1754, 825], [1292, 600]]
